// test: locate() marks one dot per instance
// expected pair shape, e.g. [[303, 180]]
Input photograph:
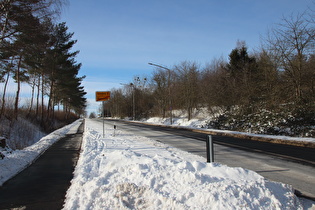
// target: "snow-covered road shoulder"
[[126, 171], [197, 126]]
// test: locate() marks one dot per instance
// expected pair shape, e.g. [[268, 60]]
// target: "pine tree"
[[65, 85], [242, 70]]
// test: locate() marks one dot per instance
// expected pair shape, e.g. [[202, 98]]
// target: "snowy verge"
[[126, 171], [17, 160], [195, 125]]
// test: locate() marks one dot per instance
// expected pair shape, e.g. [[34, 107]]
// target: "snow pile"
[[201, 119], [131, 172], [194, 123], [15, 161]]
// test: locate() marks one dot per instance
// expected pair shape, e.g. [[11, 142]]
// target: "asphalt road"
[[282, 163], [43, 184]]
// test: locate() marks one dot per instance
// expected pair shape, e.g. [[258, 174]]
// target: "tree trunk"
[[3, 30], [32, 98], [49, 101], [3, 96], [37, 97], [16, 105], [42, 105]]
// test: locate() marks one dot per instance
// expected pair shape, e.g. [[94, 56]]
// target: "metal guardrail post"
[[210, 150]]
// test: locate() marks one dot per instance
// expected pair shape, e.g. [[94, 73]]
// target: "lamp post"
[[137, 86], [132, 85], [169, 88], [133, 102]]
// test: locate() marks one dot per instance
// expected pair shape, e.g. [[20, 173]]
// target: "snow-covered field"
[[125, 171]]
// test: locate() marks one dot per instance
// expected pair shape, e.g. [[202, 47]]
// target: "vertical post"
[[169, 95], [103, 120], [169, 88], [210, 150], [133, 104], [114, 129]]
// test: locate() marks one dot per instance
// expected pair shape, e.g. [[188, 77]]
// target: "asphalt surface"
[[43, 184]]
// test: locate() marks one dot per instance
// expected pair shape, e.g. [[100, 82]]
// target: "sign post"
[[103, 112], [102, 96]]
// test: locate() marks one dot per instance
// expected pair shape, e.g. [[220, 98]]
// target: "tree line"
[[279, 76], [36, 50]]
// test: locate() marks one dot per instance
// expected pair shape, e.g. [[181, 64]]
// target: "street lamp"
[[133, 99], [138, 84], [169, 88], [133, 102]]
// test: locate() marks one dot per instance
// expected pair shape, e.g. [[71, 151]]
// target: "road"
[[281, 163], [43, 184]]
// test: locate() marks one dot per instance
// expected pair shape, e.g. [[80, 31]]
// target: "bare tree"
[[188, 86], [163, 80], [216, 88], [293, 43]]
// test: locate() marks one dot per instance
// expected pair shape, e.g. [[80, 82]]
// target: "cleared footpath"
[[43, 184]]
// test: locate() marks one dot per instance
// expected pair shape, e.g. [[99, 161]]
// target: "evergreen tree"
[[65, 85], [242, 70]]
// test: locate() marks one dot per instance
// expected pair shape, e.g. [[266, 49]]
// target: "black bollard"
[[210, 151]]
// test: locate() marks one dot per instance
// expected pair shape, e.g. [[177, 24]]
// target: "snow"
[[201, 124], [125, 171]]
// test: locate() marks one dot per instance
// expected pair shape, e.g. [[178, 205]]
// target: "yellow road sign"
[[102, 96]]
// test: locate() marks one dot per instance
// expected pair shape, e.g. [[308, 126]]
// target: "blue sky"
[[117, 38]]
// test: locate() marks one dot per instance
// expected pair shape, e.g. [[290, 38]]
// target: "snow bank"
[[17, 160], [193, 123], [202, 124], [131, 172]]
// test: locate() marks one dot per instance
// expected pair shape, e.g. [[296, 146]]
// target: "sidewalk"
[[43, 184]]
